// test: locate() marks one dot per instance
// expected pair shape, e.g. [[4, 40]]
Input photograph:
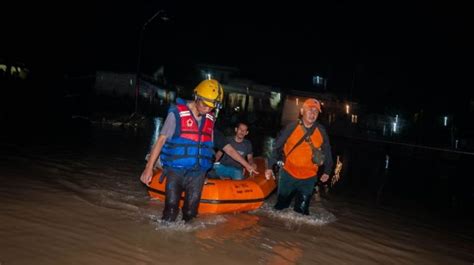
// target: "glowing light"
[[395, 124], [387, 161], [158, 122], [347, 108], [275, 99], [445, 121], [354, 118]]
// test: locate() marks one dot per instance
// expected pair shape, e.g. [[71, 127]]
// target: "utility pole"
[[161, 14]]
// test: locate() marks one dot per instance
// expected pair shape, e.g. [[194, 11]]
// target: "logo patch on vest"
[[189, 123]]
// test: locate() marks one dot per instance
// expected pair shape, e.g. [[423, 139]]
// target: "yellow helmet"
[[210, 92]]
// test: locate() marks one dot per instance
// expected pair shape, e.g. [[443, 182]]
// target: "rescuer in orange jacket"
[[302, 147]]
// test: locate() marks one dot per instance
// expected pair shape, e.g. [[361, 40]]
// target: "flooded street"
[[80, 201]]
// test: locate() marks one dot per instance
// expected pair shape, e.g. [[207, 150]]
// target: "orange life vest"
[[299, 162]]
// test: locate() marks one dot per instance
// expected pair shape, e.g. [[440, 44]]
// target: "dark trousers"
[[177, 182], [289, 187]]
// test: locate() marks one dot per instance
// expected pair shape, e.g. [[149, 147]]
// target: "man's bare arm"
[[155, 152], [219, 155], [229, 150]]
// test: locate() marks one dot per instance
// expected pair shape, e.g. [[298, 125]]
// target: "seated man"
[[226, 165]]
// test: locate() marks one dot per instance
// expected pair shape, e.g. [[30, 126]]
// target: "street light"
[[161, 14]]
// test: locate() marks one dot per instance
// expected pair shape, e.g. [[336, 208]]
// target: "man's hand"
[[324, 177], [254, 166], [251, 169], [146, 176], [269, 173]]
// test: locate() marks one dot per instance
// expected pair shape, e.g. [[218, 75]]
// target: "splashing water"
[[318, 215], [84, 204], [200, 223]]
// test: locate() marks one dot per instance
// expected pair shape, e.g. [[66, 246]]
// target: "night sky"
[[397, 51]]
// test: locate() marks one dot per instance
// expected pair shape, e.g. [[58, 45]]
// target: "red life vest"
[[189, 127], [191, 146]]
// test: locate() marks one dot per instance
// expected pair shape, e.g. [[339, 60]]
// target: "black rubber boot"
[[170, 213], [302, 204], [283, 202]]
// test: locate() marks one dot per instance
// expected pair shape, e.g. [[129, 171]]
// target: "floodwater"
[[80, 201]]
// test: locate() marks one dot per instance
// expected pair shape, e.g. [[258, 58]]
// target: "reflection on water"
[[81, 202], [238, 228], [285, 254]]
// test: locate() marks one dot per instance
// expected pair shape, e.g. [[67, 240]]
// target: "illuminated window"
[[275, 99], [237, 100], [354, 118], [206, 74], [318, 80], [395, 125]]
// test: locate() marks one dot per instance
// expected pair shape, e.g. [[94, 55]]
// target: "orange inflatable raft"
[[225, 195]]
